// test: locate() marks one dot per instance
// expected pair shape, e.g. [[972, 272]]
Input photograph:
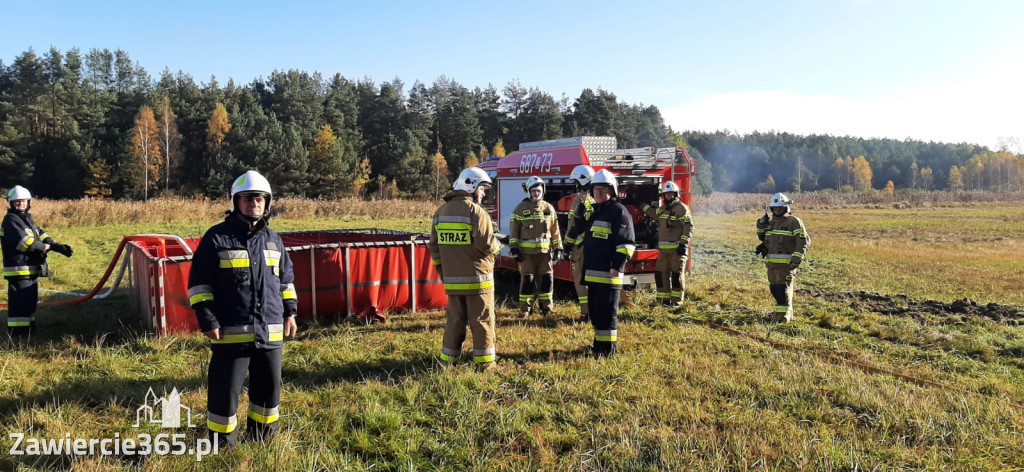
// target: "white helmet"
[[604, 176], [251, 182], [532, 182], [669, 186], [18, 193], [780, 200], [470, 178], [582, 174]]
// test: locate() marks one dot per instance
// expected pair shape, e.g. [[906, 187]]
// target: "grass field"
[[886, 367]]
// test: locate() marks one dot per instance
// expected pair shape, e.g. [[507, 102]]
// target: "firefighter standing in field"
[[608, 243], [535, 241], [462, 246], [784, 242], [241, 287], [25, 245], [583, 203], [674, 231]]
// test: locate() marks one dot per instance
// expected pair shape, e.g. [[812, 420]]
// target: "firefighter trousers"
[[476, 312], [669, 278], [780, 284], [536, 282], [604, 317], [229, 364], [22, 297], [577, 277]]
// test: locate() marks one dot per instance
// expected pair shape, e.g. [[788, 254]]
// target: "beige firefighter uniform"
[[534, 235], [462, 246], [675, 227], [786, 242], [583, 198]]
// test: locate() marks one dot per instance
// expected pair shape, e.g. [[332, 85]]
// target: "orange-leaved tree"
[[498, 150], [439, 171], [861, 172], [218, 127], [146, 147]]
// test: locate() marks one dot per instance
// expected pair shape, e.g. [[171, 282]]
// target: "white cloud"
[[981, 109]]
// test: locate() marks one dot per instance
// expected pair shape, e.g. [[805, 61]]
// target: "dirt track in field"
[[902, 305]]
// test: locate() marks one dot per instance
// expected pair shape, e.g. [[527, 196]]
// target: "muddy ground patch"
[[902, 305]]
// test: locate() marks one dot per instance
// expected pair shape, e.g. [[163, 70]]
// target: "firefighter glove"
[[567, 252], [761, 250], [794, 262], [681, 249], [514, 252], [62, 249], [556, 254]]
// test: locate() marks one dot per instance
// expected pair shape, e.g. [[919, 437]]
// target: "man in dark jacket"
[[25, 245], [608, 243], [241, 287]]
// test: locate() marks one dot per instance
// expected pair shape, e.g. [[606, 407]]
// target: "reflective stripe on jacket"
[[582, 203], [462, 243], [675, 225], [241, 282], [533, 227], [23, 244], [786, 239], [608, 242]]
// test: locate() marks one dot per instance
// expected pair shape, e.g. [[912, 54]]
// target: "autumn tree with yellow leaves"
[[146, 148], [861, 173], [325, 165]]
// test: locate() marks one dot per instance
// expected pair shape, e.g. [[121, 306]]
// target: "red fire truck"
[[639, 171]]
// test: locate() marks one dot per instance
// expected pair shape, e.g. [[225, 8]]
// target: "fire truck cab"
[[639, 171]]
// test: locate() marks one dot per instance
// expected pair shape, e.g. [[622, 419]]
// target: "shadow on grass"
[[388, 369], [115, 319]]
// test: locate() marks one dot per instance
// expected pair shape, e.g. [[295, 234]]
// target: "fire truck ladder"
[[635, 158]]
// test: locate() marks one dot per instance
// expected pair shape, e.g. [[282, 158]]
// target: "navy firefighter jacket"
[[23, 243], [608, 241], [241, 281]]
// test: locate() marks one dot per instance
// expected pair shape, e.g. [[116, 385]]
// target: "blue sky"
[[932, 70]]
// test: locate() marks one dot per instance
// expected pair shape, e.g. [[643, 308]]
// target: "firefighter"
[[784, 242], [462, 246], [25, 245], [608, 243], [241, 287], [583, 202], [535, 241], [674, 231]]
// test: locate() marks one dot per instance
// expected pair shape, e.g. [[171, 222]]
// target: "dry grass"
[[67, 213], [720, 202], [680, 396]]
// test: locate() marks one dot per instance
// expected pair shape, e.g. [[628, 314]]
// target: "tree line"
[[776, 161], [97, 124]]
